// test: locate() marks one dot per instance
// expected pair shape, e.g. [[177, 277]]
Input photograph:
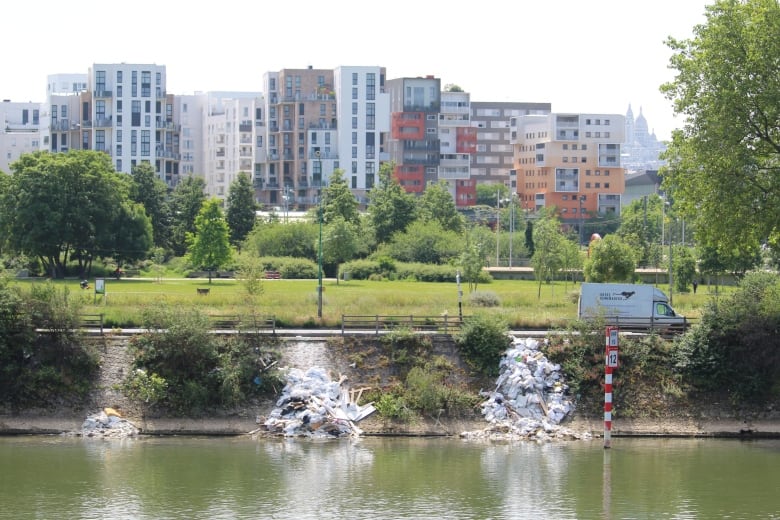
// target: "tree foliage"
[[724, 164], [491, 194], [437, 204], [69, 207], [640, 227], [338, 200], [549, 250], [241, 208], [611, 260], [390, 209], [151, 192], [295, 239], [186, 201], [209, 246], [424, 242], [736, 348]]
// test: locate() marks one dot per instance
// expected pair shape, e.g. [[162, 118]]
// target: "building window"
[[146, 84], [370, 85], [145, 143], [354, 93], [119, 76]]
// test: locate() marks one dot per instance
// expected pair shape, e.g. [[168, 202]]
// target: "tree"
[[133, 235], [186, 201], [241, 208], [724, 164], [549, 250], [338, 200], [339, 242], [425, 242], [295, 239], [152, 193], [611, 260], [640, 226], [491, 194], [437, 205], [390, 208], [209, 246], [64, 207]]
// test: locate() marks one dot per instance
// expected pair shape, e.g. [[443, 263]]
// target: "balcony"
[[62, 125], [101, 93], [103, 122]]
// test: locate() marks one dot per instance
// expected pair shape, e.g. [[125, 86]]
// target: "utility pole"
[[498, 223]]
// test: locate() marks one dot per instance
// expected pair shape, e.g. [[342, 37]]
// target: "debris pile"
[[108, 424], [529, 401], [312, 405]]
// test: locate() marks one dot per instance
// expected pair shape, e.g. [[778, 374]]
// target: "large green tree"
[[152, 193], [241, 211], [186, 201], [68, 207], [390, 209], [437, 204], [339, 201], [549, 250], [209, 246], [611, 260], [724, 164], [640, 227]]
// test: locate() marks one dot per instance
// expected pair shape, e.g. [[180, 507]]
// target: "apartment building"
[[493, 159], [457, 146], [300, 136], [20, 132], [413, 145], [569, 161], [362, 126]]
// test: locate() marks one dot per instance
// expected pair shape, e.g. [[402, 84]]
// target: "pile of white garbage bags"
[[314, 406], [530, 400]]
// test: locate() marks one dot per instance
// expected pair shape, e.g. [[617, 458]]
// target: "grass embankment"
[[294, 303]]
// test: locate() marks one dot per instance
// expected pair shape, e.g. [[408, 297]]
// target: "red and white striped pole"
[[610, 362]]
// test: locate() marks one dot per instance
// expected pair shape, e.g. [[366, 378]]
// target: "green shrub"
[[482, 340], [736, 348], [145, 387], [484, 299]]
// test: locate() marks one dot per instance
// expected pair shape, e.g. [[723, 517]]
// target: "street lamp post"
[[498, 225], [319, 219], [511, 226], [582, 221], [319, 288]]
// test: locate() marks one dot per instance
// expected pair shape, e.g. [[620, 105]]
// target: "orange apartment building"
[[571, 162]]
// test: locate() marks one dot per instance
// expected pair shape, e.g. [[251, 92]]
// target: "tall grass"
[[294, 302]]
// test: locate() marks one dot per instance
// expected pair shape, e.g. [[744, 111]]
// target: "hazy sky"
[[578, 55]]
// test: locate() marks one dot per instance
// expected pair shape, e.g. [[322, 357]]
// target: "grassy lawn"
[[294, 302]]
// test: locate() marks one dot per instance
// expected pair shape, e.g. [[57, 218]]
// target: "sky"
[[595, 56]]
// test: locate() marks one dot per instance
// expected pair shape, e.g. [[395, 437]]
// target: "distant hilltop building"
[[641, 150]]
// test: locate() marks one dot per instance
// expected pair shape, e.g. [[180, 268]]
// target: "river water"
[[52, 477]]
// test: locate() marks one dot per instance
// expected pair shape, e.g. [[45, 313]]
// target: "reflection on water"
[[386, 478]]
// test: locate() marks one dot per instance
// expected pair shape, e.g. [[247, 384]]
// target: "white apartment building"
[[127, 113], [229, 138], [363, 121], [457, 143], [20, 132]]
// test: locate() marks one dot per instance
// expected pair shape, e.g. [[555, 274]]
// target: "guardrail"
[[243, 324], [378, 323]]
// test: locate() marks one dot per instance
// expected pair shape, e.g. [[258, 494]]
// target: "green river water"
[[52, 477]]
